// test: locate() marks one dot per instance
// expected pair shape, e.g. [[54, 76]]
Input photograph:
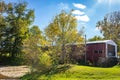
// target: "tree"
[[17, 18], [2, 23], [61, 31], [95, 38], [33, 49], [110, 27]]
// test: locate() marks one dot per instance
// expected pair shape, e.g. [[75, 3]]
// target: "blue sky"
[[87, 12]]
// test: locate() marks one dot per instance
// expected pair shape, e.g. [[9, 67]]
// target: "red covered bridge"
[[96, 51], [100, 50]]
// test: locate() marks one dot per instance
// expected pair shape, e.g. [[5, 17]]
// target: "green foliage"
[[110, 62], [110, 27], [75, 72], [95, 38], [31, 48], [15, 20], [45, 62], [6, 60], [35, 55], [61, 31]]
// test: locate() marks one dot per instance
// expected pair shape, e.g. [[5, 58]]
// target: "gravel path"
[[14, 71]]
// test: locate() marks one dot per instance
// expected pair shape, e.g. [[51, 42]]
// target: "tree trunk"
[[63, 54]]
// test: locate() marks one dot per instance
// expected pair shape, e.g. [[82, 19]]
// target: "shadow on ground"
[[36, 75], [6, 77]]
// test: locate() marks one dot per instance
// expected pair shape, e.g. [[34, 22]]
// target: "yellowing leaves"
[[63, 27]]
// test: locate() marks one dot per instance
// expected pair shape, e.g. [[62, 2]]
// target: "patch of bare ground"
[[13, 72]]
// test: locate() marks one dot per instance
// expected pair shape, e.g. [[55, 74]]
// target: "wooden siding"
[[95, 51]]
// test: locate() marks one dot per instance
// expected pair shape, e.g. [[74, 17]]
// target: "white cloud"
[[78, 12], [80, 6], [63, 6], [80, 15], [83, 18]]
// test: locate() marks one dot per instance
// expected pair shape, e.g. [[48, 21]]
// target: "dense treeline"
[[38, 49]]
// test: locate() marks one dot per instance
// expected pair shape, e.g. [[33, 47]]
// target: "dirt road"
[[13, 71]]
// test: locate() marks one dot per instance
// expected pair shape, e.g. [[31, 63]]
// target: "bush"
[[45, 62], [109, 62], [12, 61], [39, 61]]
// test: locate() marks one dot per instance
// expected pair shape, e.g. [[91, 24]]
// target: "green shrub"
[[13, 61], [45, 61], [110, 62]]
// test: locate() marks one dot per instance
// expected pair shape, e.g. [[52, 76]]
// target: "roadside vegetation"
[[76, 72]]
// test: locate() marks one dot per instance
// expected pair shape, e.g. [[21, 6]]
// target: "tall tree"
[[63, 30], [18, 19], [110, 27]]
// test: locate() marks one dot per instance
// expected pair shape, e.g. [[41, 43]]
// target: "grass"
[[76, 72]]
